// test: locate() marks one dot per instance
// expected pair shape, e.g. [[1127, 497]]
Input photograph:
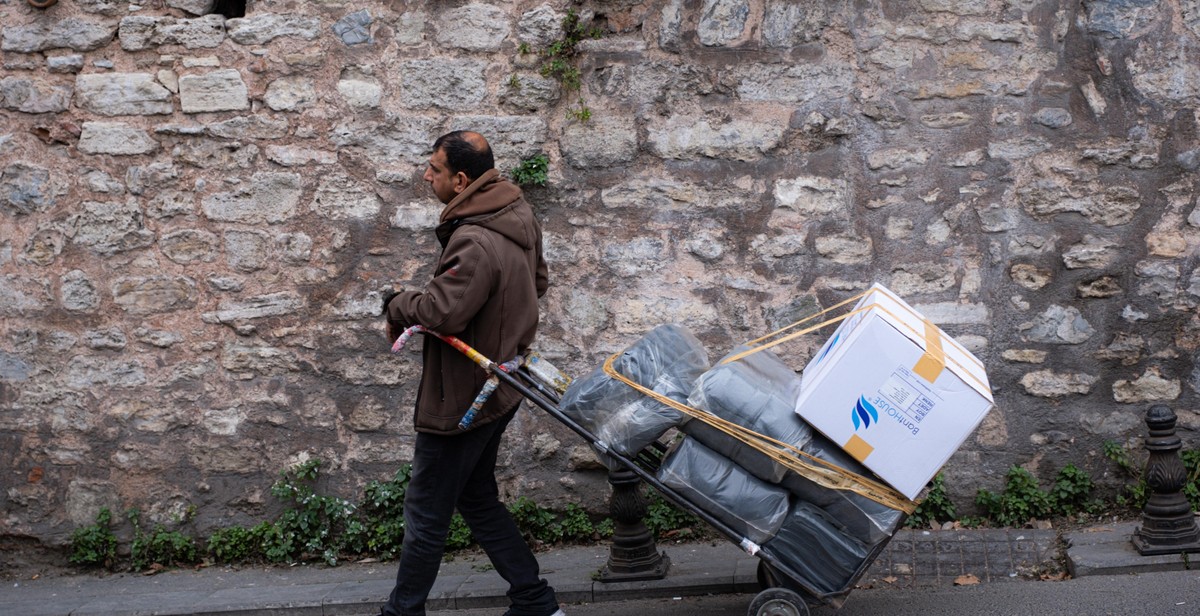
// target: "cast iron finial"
[[1168, 526]]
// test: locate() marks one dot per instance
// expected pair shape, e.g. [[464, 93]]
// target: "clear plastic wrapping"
[[757, 392], [713, 483], [814, 544], [668, 359]]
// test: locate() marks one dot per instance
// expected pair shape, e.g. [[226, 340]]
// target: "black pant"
[[460, 470]]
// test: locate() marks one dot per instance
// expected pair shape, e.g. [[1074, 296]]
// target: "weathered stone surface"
[[115, 138], [340, 198], [663, 195], [250, 127], [846, 249], [474, 27], [69, 64], [107, 228], [115, 94], [523, 136], [44, 245], [360, 93], [294, 156], [221, 90], [1158, 279], [954, 313], [1051, 384], [403, 138], [23, 296], [215, 154], [85, 372], [1053, 117], [415, 217], [264, 28], [1030, 276], [1058, 325], [540, 26], [1092, 252], [269, 198], [138, 32], [294, 247], [354, 28], [442, 83], [722, 22], [154, 294], [189, 246], [787, 24], [897, 158], [263, 306], [78, 33], [1025, 356], [812, 196], [141, 178], [922, 278], [157, 337], [192, 7], [688, 138], [25, 189], [111, 339], [78, 292], [600, 142], [1151, 386], [794, 83], [248, 251], [1105, 286], [530, 91], [34, 95]]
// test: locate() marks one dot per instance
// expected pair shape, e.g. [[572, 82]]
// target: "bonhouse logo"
[[864, 413]]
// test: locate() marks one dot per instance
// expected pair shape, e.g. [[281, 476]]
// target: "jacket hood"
[[495, 203]]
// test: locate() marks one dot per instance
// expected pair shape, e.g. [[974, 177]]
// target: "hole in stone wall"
[[229, 8]]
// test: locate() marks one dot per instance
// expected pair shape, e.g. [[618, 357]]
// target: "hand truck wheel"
[[778, 602]]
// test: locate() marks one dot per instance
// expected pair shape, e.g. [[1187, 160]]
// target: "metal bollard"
[[633, 555], [1168, 526]]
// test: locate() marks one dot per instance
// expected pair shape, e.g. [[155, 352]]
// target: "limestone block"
[[109, 228], [897, 158], [409, 28], [1158, 279], [141, 178], [528, 91], [44, 245], [114, 94], [1120, 18], [294, 247], [1019, 148], [25, 189], [686, 137], [847, 248], [85, 372], [1092, 252], [601, 142], [157, 337], [1058, 325], [1025, 356], [290, 94], [649, 193], [670, 28], [398, 138], [1105, 286], [954, 313], [540, 26], [1151, 386], [221, 90], [639, 256], [355, 306], [957, 7], [264, 28], [521, 136], [787, 23], [101, 182], [154, 294], [214, 154], [193, 7], [23, 296], [248, 251], [13, 368], [77, 33], [262, 306], [189, 246], [78, 292], [794, 83], [722, 22], [474, 27], [250, 127], [448, 83], [812, 196], [112, 339], [115, 138], [922, 278], [139, 32], [34, 95], [420, 216], [947, 120], [360, 94], [71, 64], [354, 28], [1051, 384], [1053, 117], [296, 156], [268, 198], [339, 197], [1030, 276]]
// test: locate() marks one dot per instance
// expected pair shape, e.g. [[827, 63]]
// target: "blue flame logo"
[[863, 414]]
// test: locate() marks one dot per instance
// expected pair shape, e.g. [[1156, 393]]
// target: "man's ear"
[[461, 182]]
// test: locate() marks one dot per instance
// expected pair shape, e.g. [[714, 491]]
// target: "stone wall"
[[198, 214]]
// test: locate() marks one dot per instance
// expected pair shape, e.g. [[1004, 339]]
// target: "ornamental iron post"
[[633, 555], [1168, 526]]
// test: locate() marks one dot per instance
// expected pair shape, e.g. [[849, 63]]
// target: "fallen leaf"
[[1054, 577], [966, 580], [1043, 524], [891, 579]]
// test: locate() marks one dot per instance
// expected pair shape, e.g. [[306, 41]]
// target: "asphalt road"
[[1174, 593]]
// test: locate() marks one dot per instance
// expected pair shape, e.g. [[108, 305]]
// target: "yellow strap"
[[933, 361], [818, 471]]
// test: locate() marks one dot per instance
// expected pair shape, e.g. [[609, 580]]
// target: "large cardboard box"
[[894, 391]]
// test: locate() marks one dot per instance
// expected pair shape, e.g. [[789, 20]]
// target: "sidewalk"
[[913, 559]]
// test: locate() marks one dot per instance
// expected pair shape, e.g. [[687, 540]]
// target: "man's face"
[[446, 185]]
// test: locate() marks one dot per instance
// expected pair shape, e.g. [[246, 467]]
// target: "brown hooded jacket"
[[484, 291]]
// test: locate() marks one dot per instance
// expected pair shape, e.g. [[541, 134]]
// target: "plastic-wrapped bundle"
[[864, 518], [752, 507], [757, 392], [668, 359], [813, 544]]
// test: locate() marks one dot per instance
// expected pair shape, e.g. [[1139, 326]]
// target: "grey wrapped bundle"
[[757, 392], [750, 506], [864, 518], [668, 359], [817, 548]]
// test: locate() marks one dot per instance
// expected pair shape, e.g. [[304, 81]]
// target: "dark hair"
[[463, 153]]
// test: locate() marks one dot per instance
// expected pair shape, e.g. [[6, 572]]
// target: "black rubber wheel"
[[778, 602], [766, 577]]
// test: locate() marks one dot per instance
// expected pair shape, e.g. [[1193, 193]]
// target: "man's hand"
[[393, 329]]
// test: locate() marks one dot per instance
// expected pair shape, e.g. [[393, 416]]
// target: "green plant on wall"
[[95, 545], [560, 61], [533, 171]]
